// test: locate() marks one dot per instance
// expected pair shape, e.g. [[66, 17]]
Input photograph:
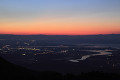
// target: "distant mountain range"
[[98, 39]]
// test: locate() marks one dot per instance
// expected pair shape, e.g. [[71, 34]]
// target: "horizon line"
[[58, 35]]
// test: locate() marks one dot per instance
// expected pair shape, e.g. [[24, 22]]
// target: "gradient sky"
[[60, 17]]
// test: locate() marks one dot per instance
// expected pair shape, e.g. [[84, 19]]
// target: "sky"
[[59, 17]]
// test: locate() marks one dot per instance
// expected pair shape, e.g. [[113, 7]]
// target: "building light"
[[23, 54]]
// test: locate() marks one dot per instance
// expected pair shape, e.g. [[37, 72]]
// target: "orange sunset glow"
[[52, 19]]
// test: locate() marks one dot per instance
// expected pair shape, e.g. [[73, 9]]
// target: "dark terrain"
[[46, 57], [14, 72]]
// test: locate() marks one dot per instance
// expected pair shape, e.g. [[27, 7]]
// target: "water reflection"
[[101, 52]]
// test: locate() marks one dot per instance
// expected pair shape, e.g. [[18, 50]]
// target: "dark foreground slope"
[[10, 71]]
